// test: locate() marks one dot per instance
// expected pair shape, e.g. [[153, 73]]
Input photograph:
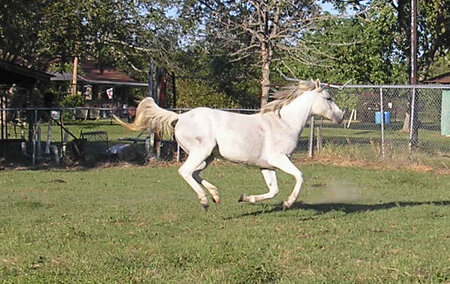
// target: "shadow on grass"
[[346, 208]]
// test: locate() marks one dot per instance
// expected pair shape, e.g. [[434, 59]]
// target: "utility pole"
[[413, 42], [414, 137]]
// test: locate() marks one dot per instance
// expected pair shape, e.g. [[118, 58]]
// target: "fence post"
[[2, 119], [64, 144], [383, 149], [319, 138], [49, 138], [414, 127], [3, 126], [23, 143], [55, 153], [311, 137], [39, 143], [33, 155], [147, 143]]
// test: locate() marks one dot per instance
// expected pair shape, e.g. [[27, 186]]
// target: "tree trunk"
[[265, 82], [265, 74], [406, 123]]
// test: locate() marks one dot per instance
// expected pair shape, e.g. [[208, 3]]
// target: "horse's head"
[[324, 105]]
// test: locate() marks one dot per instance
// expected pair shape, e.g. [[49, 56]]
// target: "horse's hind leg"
[[212, 189], [187, 170], [209, 186], [271, 180]]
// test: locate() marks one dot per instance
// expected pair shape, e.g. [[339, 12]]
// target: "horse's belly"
[[243, 153], [260, 163]]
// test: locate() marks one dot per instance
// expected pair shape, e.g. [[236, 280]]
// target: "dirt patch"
[[377, 165]]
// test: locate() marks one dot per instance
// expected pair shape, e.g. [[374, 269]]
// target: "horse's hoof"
[[242, 198], [286, 205], [205, 206]]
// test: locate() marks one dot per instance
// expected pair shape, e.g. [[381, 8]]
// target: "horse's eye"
[[329, 99]]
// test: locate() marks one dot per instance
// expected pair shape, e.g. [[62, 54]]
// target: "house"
[[102, 87], [440, 79]]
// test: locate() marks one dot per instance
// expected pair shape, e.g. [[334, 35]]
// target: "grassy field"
[[141, 224]]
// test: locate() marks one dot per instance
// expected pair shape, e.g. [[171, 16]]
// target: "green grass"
[[114, 130], [140, 224]]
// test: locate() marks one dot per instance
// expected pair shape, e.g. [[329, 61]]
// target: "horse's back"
[[204, 117], [236, 137]]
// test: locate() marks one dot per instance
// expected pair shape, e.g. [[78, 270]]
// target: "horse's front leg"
[[284, 163], [271, 181]]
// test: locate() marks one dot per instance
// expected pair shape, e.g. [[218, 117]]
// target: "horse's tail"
[[150, 115]]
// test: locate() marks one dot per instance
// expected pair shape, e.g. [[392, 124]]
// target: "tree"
[[435, 39], [357, 48], [256, 29], [125, 33], [210, 65], [392, 20], [19, 26], [433, 27]]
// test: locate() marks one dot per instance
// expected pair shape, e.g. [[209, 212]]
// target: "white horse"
[[264, 140]]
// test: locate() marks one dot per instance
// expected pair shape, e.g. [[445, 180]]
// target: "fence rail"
[[381, 121]]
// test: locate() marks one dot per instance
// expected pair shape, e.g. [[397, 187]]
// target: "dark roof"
[[15, 74], [94, 75], [440, 79], [105, 74]]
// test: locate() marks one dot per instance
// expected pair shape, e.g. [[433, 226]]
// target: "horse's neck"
[[297, 113]]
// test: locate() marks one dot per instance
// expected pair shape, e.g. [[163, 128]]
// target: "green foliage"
[[19, 27], [237, 81], [354, 48], [73, 101], [433, 30], [212, 40], [440, 66], [64, 67], [117, 33], [434, 33], [346, 99], [430, 105], [196, 93]]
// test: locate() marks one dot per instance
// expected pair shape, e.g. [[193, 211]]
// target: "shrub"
[[194, 93], [72, 101]]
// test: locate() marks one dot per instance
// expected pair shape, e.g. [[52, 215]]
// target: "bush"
[[192, 93], [73, 101]]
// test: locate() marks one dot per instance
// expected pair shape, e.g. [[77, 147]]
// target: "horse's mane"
[[288, 94]]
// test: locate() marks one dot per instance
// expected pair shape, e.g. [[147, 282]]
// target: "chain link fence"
[[380, 123], [392, 122], [36, 135]]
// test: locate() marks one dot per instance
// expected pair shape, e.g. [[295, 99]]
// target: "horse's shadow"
[[346, 208]]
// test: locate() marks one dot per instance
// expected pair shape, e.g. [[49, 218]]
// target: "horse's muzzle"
[[338, 118]]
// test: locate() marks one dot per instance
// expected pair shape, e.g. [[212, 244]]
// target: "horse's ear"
[[317, 84]]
